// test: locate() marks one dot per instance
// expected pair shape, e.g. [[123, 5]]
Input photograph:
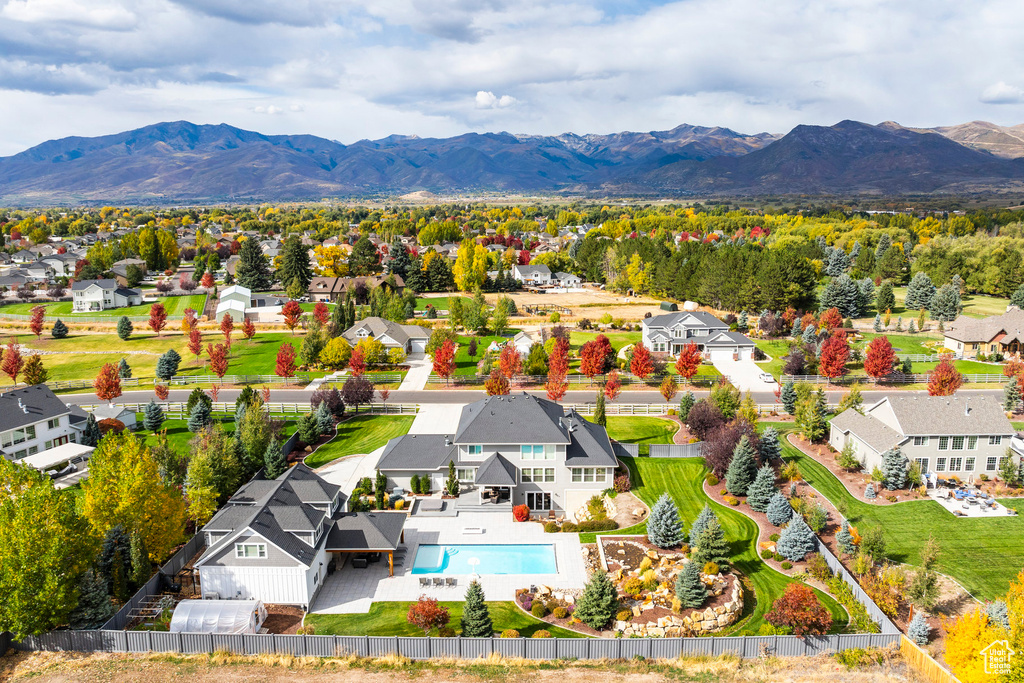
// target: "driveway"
[[745, 375], [346, 471], [437, 418], [420, 366]]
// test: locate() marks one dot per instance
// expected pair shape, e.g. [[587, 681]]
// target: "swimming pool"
[[489, 559]]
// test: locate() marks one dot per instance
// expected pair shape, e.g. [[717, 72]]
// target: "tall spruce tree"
[[91, 434], [124, 328], [167, 365], [711, 545], [797, 540], [599, 410], [153, 416], [252, 271], [94, 605], [324, 419], [60, 330], [885, 300], [663, 526], [199, 417], [274, 463], [400, 262], [788, 397], [742, 468], [844, 539], [779, 510], [295, 263], [760, 492], [919, 630], [599, 601], [690, 590], [476, 618], [946, 304], [920, 292], [116, 547], [894, 467], [124, 371], [701, 523], [686, 402], [1011, 396], [770, 449]]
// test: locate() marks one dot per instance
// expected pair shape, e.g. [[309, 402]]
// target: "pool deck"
[[352, 591]]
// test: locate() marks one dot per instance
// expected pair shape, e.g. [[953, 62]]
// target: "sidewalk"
[[420, 366]]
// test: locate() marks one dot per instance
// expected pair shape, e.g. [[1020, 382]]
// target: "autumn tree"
[[880, 357], [669, 388], [218, 359], [285, 364], [594, 356], [558, 362], [641, 364], [36, 320], [831, 319], [292, 313], [497, 384], [689, 361], [207, 280], [227, 326], [195, 342], [33, 372], [248, 329], [157, 318], [427, 614], [357, 362], [800, 610], [613, 387], [444, 360], [189, 321], [510, 362], [945, 379], [108, 383], [835, 351], [321, 313], [12, 361]]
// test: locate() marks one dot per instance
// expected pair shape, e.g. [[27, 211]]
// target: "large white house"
[[536, 274], [33, 420], [101, 295], [962, 435], [670, 332]]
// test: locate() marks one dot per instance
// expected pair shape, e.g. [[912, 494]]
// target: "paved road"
[[467, 396]]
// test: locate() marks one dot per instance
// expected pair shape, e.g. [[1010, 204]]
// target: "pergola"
[[368, 532], [495, 473]]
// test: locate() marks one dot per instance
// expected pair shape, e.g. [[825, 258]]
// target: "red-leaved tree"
[[444, 360], [613, 387], [357, 362], [157, 318], [161, 391], [207, 280], [36, 321], [831, 319], [669, 387], [641, 364], [556, 386], [800, 610], [509, 362], [384, 394], [248, 329], [427, 614], [945, 379], [497, 384], [879, 358], [195, 342], [218, 359], [558, 362], [285, 364], [227, 326], [689, 361], [321, 313], [12, 362], [108, 383], [591, 359], [189, 321], [835, 351], [292, 312]]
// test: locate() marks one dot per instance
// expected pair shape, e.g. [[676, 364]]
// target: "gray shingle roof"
[[670, 320], [20, 407], [378, 327], [418, 452], [972, 330], [367, 531], [590, 445], [870, 430], [496, 471], [960, 414], [728, 339], [512, 419]]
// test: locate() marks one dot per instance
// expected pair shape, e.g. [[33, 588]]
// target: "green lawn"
[[360, 434], [777, 350], [904, 344], [388, 619], [682, 478], [465, 364], [975, 305], [982, 554], [178, 435], [175, 305], [641, 430], [439, 302]]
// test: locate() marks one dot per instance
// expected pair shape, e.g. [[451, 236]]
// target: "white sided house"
[[392, 335], [670, 332], [959, 435], [537, 274], [234, 301], [102, 295], [34, 420]]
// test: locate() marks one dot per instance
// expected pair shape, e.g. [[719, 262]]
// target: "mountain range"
[[184, 162]]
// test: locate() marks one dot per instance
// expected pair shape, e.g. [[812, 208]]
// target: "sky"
[[355, 69]]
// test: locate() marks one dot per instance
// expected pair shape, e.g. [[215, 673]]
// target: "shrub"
[[818, 568], [645, 564], [777, 557], [539, 610], [800, 609], [711, 479], [570, 528], [710, 568], [632, 586], [446, 632], [649, 580], [774, 537], [510, 633], [521, 513], [624, 615], [560, 612], [597, 525], [541, 634], [731, 501], [622, 484], [766, 554], [551, 528]]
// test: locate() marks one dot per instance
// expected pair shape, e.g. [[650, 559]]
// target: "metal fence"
[[418, 648], [675, 450], [876, 614]]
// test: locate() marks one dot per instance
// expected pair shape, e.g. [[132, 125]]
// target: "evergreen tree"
[[195, 396], [599, 416], [838, 263], [167, 365], [116, 547], [274, 463], [124, 328], [841, 293], [686, 402], [885, 300], [919, 630], [252, 271], [690, 590], [877, 325], [60, 330], [797, 327], [711, 545], [324, 419], [124, 371], [91, 434], [946, 304], [364, 259], [869, 491], [380, 486], [907, 367], [295, 263], [788, 397], [866, 300], [199, 417], [153, 416], [1011, 396], [796, 540], [663, 526], [845, 539], [476, 618], [599, 601], [742, 323], [308, 429], [884, 242], [701, 523], [894, 467], [770, 449], [140, 564], [1016, 299], [94, 605], [920, 292], [761, 491], [400, 261], [997, 614], [810, 336], [779, 510], [119, 577], [742, 468]]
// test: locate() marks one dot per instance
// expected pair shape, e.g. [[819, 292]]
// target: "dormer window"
[[250, 551]]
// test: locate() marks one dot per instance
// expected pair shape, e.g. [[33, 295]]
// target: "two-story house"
[[101, 295], [537, 274], [517, 448], [409, 338], [949, 435], [670, 332], [33, 420]]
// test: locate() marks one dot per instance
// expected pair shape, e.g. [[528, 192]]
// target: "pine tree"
[[884, 242], [252, 271], [788, 397], [153, 416], [770, 449], [742, 468], [119, 577], [124, 371], [877, 325], [810, 336], [701, 523], [663, 526], [380, 487], [295, 264], [869, 491], [742, 323], [400, 261], [845, 539], [1011, 396], [946, 304], [60, 330], [1016, 299], [779, 510], [91, 434], [476, 618], [140, 564], [797, 327], [920, 292], [167, 365], [686, 402], [690, 590], [885, 300], [918, 631], [760, 492], [274, 463], [894, 466], [94, 605], [711, 545], [599, 601], [866, 300], [797, 540], [324, 419], [599, 416], [997, 614], [199, 417], [124, 328]]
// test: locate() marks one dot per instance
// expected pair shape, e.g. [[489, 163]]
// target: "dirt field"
[[590, 303], [55, 667]]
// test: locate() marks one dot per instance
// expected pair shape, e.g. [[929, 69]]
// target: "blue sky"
[[353, 69]]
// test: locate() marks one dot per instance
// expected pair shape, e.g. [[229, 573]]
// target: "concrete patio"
[[352, 590], [967, 509]]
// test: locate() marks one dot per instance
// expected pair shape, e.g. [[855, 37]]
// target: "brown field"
[[591, 303]]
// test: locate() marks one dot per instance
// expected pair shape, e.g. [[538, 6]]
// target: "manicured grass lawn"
[[360, 434], [975, 305], [777, 351], [617, 339], [465, 364], [904, 344], [178, 435], [175, 305], [682, 478], [388, 619], [439, 302], [982, 554], [641, 429]]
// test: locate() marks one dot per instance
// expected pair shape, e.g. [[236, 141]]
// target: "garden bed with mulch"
[[283, 619]]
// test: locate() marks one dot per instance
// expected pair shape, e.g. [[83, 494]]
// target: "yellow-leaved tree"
[[124, 487], [463, 269], [965, 639]]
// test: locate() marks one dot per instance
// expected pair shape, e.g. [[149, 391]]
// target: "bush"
[[710, 569], [766, 554], [622, 484], [539, 610], [551, 528], [711, 479], [787, 565], [624, 615], [818, 568], [510, 633], [632, 586], [731, 500], [570, 528], [777, 557], [446, 632], [560, 612], [521, 513], [541, 634], [597, 525], [773, 537]]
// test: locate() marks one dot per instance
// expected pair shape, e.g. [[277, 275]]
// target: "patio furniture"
[[450, 582], [359, 563], [551, 514], [424, 582], [438, 582]]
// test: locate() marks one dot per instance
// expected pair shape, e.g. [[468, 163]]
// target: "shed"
[[669, 306], [218, 616]]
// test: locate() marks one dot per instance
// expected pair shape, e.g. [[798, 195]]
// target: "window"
[[958, 443], [316, 577], [969, 465], [17, 436], [538, 500], [920, 440], [943, 443], [476, 450], [922, 463], [677, 333], [250, 551], [465, 474], [995, 440], [48, 445], [53, 424], [956, 464], [940, 465], [32, 450], [549, 452], [589, 474], [600, 473], [539, 474], [972, 443], [537, 452], [990, 464]]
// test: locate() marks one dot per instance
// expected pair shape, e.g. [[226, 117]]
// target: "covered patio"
[[363, 533], [495, 479]]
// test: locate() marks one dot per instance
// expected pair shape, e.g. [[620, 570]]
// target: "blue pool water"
[[493, 559]]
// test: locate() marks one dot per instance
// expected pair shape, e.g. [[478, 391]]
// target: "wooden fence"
[[301, 378], [921, 662], [596, 382], [176, 409], [895, 378]]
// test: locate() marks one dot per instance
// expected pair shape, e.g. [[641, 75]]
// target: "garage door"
[[721, 354], [418, 345]]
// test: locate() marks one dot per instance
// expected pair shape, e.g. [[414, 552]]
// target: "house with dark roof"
[[33, 420], [963, 435], [536, 274], [670, 332], [410, 338], [995, 334], [275, 538], [514, 449], [331, 289], [102, 295]]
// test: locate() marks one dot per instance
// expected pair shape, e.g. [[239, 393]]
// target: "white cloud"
[[1002, 93], [485, 99], [268, 109], [108, 16]]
